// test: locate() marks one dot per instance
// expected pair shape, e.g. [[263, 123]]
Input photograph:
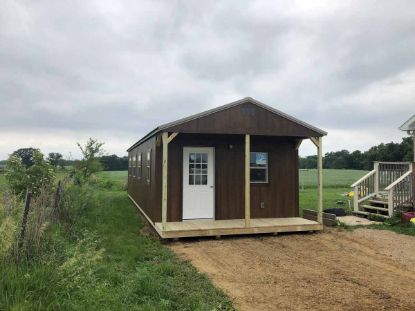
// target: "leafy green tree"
[[20, 178], [393, 152], [114, 163], [25, 155], [407, 149], [90, 163], [308, 162], [55, 159]]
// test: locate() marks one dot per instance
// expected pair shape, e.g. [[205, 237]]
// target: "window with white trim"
[[149, 166], [259, 167], [134, 164], [198, 168], [130, 164], [139, 166]]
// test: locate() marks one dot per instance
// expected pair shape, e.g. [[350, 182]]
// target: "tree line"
[[343, 159], [108, 162]]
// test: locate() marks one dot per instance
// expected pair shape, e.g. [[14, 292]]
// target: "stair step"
[[374, 207], [370, 214], [377, 201]]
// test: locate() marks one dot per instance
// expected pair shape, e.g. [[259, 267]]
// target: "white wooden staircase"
[[390, 186]]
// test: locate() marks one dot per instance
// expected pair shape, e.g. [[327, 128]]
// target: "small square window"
[[204, 158], [192, 158]]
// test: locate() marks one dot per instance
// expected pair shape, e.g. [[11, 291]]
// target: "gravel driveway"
[[335, 270]]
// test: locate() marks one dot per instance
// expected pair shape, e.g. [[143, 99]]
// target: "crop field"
[[308, 177], [336, 184], [331, 177]]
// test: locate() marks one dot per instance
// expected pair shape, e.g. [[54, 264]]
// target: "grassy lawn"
[[104, 262], [308, 198]]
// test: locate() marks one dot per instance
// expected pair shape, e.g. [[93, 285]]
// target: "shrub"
[[21, 177], [90, 162]]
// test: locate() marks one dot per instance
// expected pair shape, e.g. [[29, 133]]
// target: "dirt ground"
[[335, 270]]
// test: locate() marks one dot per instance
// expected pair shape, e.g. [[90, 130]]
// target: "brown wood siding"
[[246, 118], [280, 194], [147, 195]]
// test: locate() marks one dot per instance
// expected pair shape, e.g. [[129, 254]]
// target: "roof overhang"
[[167, 126], [408, 126]]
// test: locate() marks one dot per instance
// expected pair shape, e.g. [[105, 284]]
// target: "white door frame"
[[210, 180]]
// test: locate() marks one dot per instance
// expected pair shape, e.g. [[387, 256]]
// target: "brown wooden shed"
[[229, 170]]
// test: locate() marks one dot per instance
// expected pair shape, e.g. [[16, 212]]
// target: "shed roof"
[[180, 124], [408, 125]]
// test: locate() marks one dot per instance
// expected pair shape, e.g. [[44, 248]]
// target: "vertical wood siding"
[[147, 195], [279, 195]]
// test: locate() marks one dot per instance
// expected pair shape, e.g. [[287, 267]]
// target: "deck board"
[[207, 227]]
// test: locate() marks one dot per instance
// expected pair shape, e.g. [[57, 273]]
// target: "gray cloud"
[[116, 70]]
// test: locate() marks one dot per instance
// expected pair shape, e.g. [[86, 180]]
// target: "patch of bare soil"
[[335, 270]]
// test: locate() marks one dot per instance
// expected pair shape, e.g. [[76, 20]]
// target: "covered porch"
[[240, 225]]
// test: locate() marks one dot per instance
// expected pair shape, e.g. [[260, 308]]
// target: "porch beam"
[[315, 141], [166, 140], [247, 181]]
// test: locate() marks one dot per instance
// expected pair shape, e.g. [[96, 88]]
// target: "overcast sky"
[[114, 70]]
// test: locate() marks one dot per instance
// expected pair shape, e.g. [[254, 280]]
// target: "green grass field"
[[331, 178], [103, 261], [336, 182]]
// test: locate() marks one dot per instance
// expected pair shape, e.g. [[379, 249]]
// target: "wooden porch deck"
[[202, 227]]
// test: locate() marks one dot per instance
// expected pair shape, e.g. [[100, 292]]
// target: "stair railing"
[[364, 188], [389, 172], [401, 191]]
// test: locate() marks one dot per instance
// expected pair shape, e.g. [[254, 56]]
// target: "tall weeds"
[[49, 205]]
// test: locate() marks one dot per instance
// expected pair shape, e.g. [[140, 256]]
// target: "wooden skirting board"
[[328, 219]]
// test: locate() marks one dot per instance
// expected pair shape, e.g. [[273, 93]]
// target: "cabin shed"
[[229, 170]]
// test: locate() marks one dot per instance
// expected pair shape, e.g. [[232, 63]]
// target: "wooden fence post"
[[24, 219]]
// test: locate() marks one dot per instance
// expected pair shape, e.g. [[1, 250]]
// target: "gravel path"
[[335, 270]]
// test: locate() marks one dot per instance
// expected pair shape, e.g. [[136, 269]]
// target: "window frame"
[[139, 165], [130, 159], [201, 174], [134, 165], [148, 166], [266, 168]]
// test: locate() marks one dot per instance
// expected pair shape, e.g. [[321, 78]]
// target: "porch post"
[[166, 140], [320, 180], [376, 166], [247, 181], [318, 142]]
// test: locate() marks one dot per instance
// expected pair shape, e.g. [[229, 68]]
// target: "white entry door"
[[198, 182]]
